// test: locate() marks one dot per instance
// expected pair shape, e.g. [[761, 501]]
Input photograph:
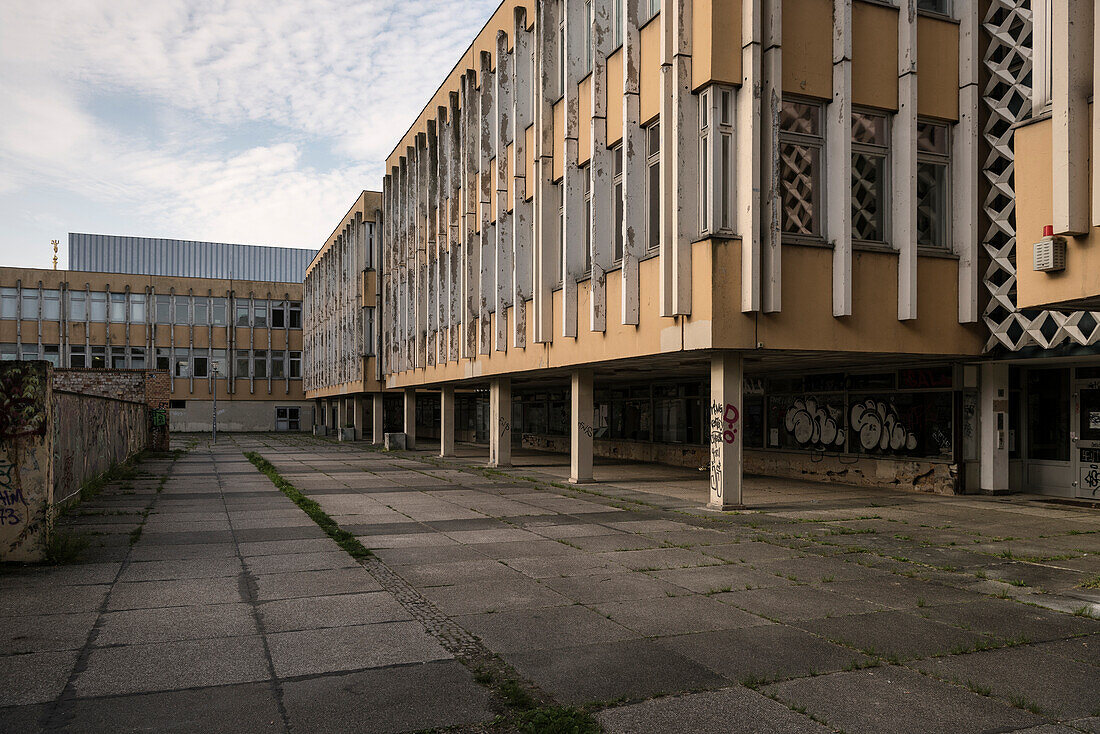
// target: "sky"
[[220, 120]]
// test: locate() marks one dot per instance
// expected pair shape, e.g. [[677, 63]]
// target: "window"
[[617, 22], [277, 365], [117, 357], [259, 364], [218, 311], [295, 314], [30, 303], [800, 148], [587, 173], [118, 308], [617, 197], [716, 159], [242, 314], [561, 232], [97, 307], [99, 357], [164, 309], [937, 6], [181, 362], [77, 356], [30, 352], [8, 303], [164, 359], [200, 366], [137, 308], [296, 364], [78, 306], [653, 186], [259, 314], [137, 358], [8, 353], [180, 308], [933, 203], [177, 404], [51, 305], [650, 8], [278, 314], [240, 364], [563, 51], [368, 330], [52, 354], [869, 176], [202, 311]]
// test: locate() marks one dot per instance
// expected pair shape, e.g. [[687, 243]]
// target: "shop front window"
[[1048, 415]]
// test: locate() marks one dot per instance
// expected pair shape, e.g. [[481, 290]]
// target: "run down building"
[[750, 235], [225, 320]]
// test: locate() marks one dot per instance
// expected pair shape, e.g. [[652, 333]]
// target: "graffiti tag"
[[585, 428], [10, 496]]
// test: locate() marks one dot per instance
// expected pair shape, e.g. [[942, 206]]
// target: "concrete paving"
[[216, 604]]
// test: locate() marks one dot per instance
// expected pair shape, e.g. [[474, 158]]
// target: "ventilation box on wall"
[[1049, 253]]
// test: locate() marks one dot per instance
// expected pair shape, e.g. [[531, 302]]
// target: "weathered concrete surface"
[[26, 460], [869, 610]]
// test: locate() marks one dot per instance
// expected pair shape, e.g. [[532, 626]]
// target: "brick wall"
[[152, 387]]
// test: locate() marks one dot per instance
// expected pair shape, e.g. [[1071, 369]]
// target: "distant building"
[[240, 339]]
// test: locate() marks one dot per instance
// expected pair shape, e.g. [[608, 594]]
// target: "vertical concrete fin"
[[546, 204], [964, 163], [522, 220], [838, 143], [747, 204], [634, 164], [573, 254], [1071, 86], [486, 231], [602, 210], [771, 244], [904, 163], [503, 244]]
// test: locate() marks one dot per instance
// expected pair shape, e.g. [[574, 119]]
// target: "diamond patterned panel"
[[1007, 99]]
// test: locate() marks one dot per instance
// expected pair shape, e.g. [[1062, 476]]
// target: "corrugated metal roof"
[[106, 253]]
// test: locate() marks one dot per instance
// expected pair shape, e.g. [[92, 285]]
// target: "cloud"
[[241, 96]]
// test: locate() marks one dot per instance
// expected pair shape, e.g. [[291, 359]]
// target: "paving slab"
[[765, 652], [477, 597], [796, 602], [894, 700], [34, 677], [607, 587], [728, 710], [314, 583], [45, 632], [342, 610], [202, 622], [539, 629], [1012, 620], [174, 593], [666, 615], [395, 699], [32, 598], [250, 707], [1063, 689], [163, 666], [895, 634], [307, 652], [726, 577], [631, 669]]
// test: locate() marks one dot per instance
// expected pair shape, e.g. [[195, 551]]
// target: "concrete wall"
[[52, 442], [26, 465], [237, 415], [151, 387]]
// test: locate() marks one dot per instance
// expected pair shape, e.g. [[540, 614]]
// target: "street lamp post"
[[214, 417]]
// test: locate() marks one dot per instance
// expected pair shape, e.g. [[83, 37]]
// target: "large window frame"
[[653, 187], [871, 156], [1042, 58], [801, 162], [934, 168], [618, 203], [716, 165]]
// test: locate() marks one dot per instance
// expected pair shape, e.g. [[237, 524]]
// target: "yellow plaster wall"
[[874, 56], [716, 42], [937, 68], [808, 48]]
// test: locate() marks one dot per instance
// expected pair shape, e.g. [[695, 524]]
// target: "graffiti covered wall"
[[26, 481], [91, 434]]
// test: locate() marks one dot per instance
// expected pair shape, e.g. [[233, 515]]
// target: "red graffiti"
[[730, 418]]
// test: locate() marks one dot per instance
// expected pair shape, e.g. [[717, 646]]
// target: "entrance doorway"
[[1086, 436], [288, 419]]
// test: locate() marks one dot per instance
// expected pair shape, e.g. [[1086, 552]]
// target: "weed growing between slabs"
[[343, 538]]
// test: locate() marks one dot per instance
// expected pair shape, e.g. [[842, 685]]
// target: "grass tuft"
[[557, 720], [343, 538], [65, 546]]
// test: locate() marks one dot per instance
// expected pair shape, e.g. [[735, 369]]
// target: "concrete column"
[[410, 418], [994, 427], [726, 379], [357, 416], [377, 426], [500, 422], [447, 421], [580, 444]]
